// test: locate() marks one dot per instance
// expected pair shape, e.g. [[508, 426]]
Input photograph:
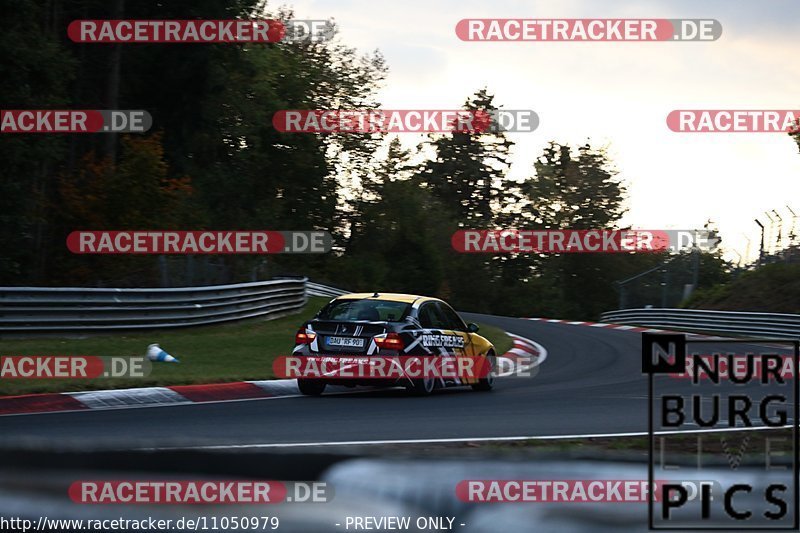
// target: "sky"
[[615, 95]]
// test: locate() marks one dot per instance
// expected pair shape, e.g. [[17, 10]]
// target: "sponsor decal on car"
[[445, 341]]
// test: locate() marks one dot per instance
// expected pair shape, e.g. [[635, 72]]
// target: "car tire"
[[422, 387], [487, 383], [311, 387]]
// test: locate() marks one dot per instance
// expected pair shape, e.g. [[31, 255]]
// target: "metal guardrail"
[[317, 289], [36, 309], [731, 322]]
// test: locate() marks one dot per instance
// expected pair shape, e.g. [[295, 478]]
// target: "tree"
[[370, 191], [35, 74], [469, 168], [397, 239], [212, 106], [136, 193], [576, 190]]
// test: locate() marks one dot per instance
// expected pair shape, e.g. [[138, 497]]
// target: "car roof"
[[386, 296]]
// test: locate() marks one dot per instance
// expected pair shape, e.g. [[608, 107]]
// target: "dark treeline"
[[214, 161]]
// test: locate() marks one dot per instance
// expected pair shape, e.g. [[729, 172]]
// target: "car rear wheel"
[[487, 383], [423, 387], [311, 387]]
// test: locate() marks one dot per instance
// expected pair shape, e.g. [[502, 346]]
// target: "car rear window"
[[373, 310]]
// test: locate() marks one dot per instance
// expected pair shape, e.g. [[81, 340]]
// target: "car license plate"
[[347, 342]]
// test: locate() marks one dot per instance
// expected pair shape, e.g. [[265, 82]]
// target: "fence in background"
[[729, 322]]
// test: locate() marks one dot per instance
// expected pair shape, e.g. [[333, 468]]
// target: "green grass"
[[773, 288], [211, 354], [502, 342]]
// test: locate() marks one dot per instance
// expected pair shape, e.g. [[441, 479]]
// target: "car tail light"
[[304, 337], [390, 341]]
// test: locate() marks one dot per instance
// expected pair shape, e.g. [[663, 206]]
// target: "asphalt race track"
[[590, 383]]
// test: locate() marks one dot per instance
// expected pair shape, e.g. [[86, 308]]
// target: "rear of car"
[[367, 325]]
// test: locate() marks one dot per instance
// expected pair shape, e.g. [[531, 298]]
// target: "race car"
[[393, 325]]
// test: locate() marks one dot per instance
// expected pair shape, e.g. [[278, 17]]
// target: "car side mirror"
[[472, 328]]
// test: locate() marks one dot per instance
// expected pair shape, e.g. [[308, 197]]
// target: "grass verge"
[[502, 342], [210, 354]]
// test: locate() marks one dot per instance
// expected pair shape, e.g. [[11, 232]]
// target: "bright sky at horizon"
[[612, 94]]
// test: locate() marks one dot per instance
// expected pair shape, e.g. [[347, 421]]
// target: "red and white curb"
[[147, 396], [635, 329], [525, 353], [522, 357]]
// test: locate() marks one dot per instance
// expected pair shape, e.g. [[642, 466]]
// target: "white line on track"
[[467, 439]]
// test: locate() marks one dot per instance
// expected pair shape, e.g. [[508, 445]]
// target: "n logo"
[[663, 353]]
